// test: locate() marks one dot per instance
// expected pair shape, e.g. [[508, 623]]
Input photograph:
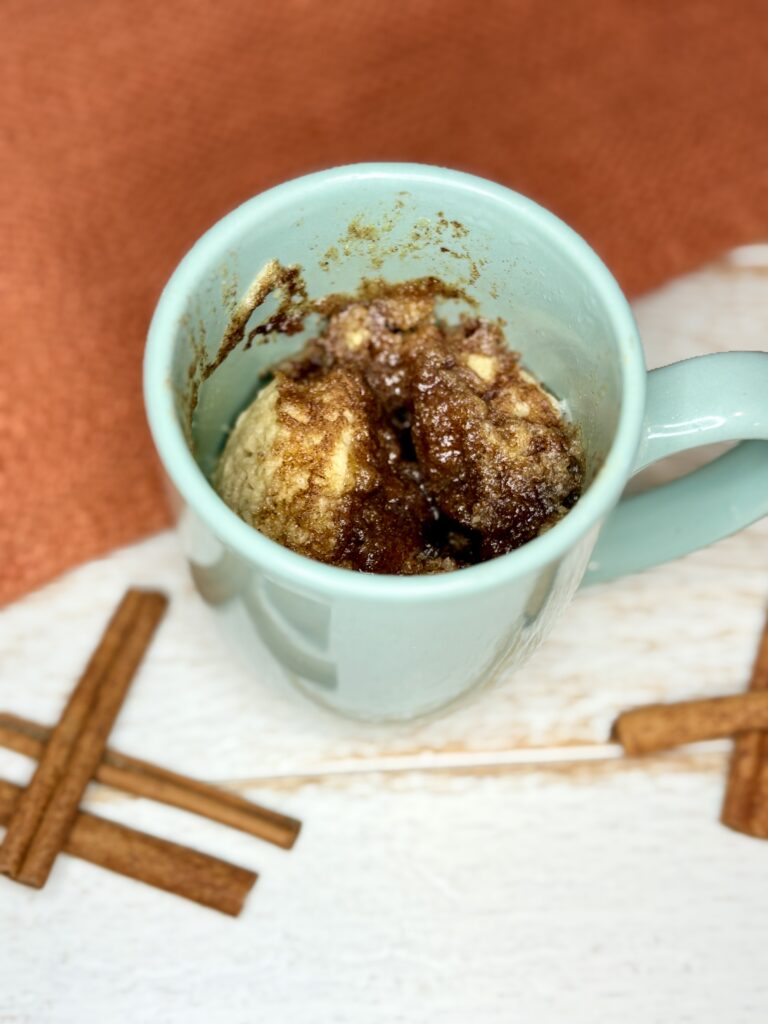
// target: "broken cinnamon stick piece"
[[177, 869], [745, 807], [48, 806], [656, 727], [141, 778]]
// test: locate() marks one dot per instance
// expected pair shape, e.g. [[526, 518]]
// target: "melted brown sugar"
[[396, 444]]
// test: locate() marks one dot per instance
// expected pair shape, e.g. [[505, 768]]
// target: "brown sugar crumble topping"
[[394, 443]]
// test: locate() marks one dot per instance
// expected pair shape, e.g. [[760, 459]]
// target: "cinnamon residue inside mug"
[[395, 443]]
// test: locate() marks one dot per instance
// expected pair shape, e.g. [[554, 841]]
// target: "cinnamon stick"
[[47, 808], [177, 869], [745, 807], [655, 727], [141, 778], [52, 764]]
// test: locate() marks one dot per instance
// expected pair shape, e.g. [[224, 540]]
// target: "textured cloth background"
[[127, 128]]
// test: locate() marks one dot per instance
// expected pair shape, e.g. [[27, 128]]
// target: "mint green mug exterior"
[[386, 647]]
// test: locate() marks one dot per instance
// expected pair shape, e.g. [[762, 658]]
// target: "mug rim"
[[306, 573]]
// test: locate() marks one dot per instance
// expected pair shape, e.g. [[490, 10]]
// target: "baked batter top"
[[394, 443]]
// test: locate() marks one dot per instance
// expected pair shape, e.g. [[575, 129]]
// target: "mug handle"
[[705, 400]]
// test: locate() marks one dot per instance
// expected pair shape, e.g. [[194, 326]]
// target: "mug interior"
[[561, 308]]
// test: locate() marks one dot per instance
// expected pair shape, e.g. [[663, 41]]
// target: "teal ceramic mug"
[[387, 647]]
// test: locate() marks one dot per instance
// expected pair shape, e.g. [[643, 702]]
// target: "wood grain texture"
[[507, 867], [530, 897]]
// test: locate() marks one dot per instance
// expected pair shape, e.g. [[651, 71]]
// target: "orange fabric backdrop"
[[127, 128]]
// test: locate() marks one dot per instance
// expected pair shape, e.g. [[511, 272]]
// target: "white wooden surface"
[[498, 864]]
